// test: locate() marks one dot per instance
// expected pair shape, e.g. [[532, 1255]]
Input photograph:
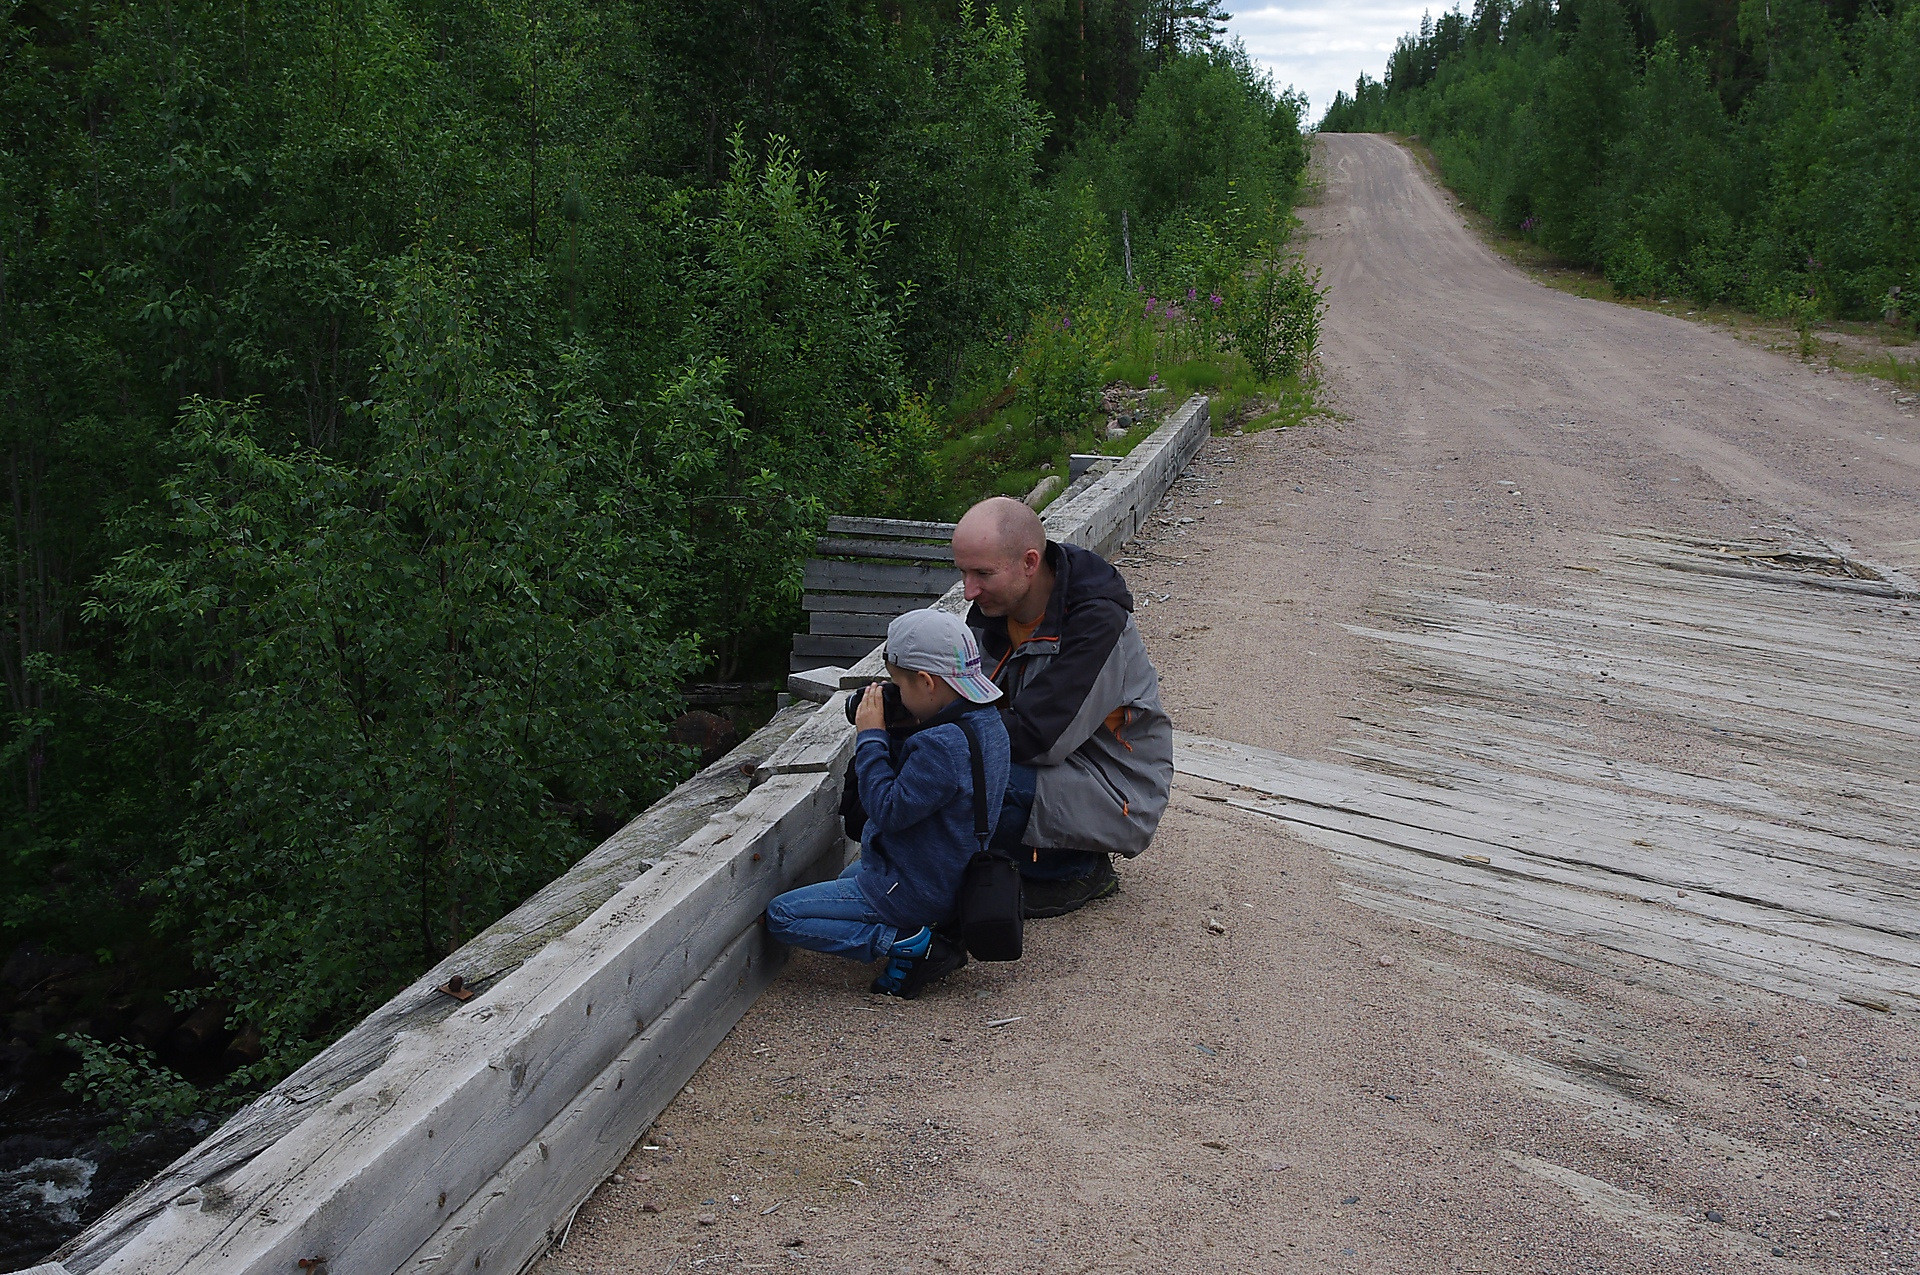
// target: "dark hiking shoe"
[[943, 957], [1057, 898]]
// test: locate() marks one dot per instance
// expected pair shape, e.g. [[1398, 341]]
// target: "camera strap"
[[980, 826]]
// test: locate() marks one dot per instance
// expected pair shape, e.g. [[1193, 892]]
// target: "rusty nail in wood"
[[457, 988]]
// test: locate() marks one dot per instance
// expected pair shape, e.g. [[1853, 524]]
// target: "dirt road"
[[1540, 890]]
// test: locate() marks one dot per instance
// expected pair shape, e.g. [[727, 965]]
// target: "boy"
[[919, 800]]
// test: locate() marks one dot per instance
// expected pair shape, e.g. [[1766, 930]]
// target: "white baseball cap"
[[937, 642]]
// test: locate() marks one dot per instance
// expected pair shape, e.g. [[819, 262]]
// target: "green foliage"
[[1275, 313], [795, 372], [1678, 148], [417, 662], [128, 1081], [402, 402], [1210, 133], [1060, 367]]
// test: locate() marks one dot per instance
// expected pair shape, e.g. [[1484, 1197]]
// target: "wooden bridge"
[[444, 1135]]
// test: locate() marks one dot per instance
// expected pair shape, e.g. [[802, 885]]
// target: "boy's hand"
[[872, 713]]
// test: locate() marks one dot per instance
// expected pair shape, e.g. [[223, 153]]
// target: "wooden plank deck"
[[1494, 810]]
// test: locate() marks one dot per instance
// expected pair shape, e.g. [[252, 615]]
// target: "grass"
[[1006, 455], [1872, 349]]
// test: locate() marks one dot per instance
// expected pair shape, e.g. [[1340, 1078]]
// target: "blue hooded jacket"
[[919, 833]]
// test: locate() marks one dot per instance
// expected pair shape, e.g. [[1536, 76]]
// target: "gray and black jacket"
[[1083, 708]]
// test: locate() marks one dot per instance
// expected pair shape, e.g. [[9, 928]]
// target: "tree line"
[[1764, 153], [402, 401]]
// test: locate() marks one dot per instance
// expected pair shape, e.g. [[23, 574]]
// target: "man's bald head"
[[1000, 547], [1002, 527]]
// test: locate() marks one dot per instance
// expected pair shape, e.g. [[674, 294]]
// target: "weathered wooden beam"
[[823, 744], [928, 581], [887, 604], [1105, 515], [890, 550], [521, 1210], [829, 646], [896, 528], [369, 1177], [866, 624]]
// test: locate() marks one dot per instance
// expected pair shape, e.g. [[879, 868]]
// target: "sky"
[[1319, 46]]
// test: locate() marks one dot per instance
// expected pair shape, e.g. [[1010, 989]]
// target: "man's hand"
[[872, 714]]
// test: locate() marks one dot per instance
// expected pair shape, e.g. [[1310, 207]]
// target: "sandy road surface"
[[1607, 1036]]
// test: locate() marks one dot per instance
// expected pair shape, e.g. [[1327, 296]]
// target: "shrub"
[[1275, 315]]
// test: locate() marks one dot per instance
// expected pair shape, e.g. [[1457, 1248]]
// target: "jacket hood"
[[1081, 575]]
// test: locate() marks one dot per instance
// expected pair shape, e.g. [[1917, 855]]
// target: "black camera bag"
[[990, 907]]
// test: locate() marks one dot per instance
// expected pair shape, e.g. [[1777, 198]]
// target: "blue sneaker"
[[901, 958]]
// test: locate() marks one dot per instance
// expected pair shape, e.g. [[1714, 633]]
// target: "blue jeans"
[[1035, 864], [832, 917]]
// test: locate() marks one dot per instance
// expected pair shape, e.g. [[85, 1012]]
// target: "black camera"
[[898, 718]]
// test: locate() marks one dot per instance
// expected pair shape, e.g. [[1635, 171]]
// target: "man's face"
[[996, 582]]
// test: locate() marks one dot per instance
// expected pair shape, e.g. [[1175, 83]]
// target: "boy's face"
[[922, 693]]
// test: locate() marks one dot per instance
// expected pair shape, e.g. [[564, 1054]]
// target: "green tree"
[[416, 666]]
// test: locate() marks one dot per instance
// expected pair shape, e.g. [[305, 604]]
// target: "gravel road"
[[1232, 1066]]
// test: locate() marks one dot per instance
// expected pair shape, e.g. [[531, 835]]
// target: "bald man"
[[1092, 748]]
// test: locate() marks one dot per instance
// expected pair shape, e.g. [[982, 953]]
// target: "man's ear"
[[1031, 560]]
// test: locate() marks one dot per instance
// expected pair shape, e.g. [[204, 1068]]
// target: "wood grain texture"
[[359, 1180], [519, 1213], [887, 550], [864, 624], [894, 528], [483, 961], [1494, 811], [822, 576]]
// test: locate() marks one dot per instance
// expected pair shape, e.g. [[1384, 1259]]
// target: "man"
[[1092, 748]]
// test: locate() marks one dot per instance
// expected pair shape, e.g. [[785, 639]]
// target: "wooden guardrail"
[[869, 571], [440, 1136]]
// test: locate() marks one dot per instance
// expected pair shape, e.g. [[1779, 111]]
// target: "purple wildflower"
[[1152, 377], [1190, 294], [1215, 298]]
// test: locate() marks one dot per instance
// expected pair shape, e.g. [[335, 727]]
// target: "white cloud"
[[1319, 48]]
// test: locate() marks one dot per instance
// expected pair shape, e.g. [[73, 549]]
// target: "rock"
[[794, 1241], [1830, 1215], [1214, 926], [1715, 1215], [1278, 1166], [1387, 961], [618, 1179], [653, 1206], [707, 1219], [1778, 1251], [1800, 1060], [1351, 1199], [1214, 1144], [1042, 490], [1302, 490]]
